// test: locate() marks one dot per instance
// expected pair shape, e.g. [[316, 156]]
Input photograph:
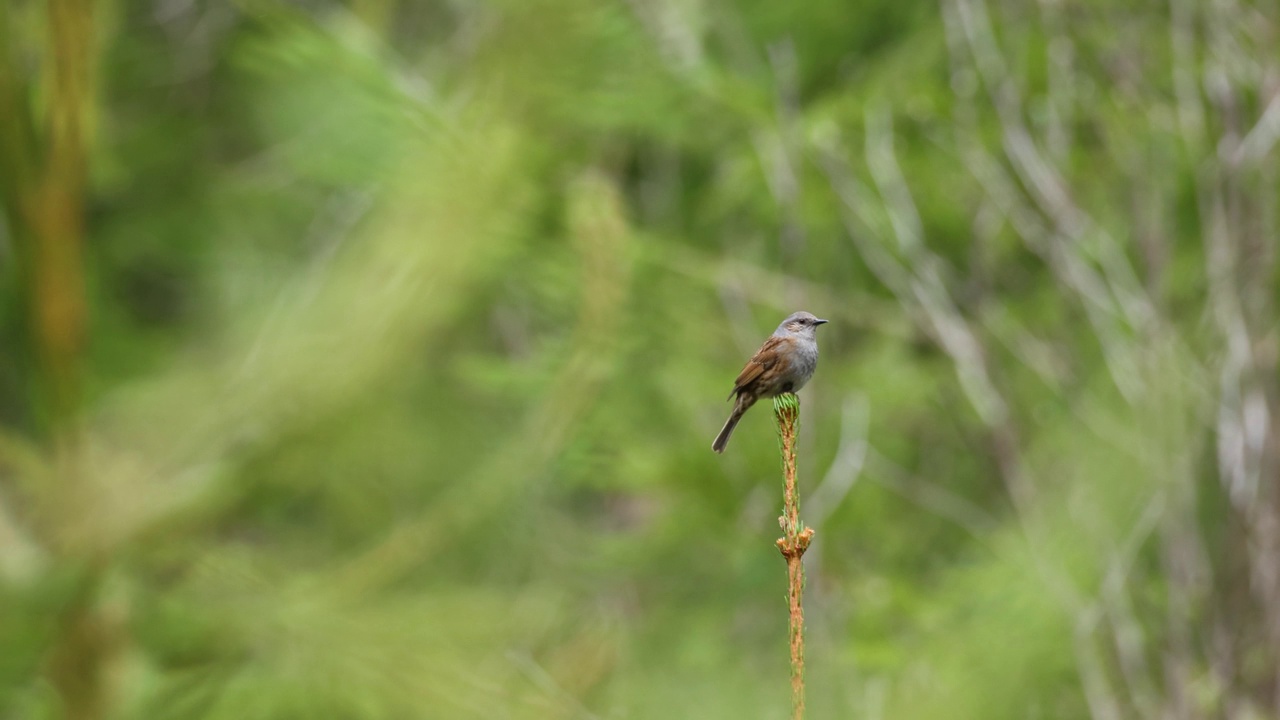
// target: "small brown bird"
[[783, 364]]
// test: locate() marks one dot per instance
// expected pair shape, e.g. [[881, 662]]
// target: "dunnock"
[[783, 364]]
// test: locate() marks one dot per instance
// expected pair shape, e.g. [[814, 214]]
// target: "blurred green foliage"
[[408, 326]]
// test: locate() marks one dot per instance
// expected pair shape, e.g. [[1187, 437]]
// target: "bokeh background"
[[361, 360]]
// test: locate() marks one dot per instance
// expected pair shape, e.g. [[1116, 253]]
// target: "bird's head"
[[801, 323]]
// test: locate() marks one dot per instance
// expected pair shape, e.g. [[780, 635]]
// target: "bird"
[[783, 364]]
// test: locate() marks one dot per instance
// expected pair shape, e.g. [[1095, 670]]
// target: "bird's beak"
[[820, 322]]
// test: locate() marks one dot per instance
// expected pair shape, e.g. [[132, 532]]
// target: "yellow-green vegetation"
[[360, 360]]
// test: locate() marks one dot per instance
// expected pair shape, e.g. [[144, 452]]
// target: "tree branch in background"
[[51, 207], [45, 144]]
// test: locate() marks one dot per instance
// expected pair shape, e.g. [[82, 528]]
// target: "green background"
[[362, 360]]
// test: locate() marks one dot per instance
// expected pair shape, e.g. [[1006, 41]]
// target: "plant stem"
[[793, 543]]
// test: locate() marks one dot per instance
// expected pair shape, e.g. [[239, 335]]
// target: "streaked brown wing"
[[764, 359]]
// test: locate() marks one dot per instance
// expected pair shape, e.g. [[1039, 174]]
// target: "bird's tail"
[[739, 408]]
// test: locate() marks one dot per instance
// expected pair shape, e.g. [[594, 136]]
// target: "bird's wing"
[[764, 359]]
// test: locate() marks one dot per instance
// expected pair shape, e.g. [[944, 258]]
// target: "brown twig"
[[793, 543]]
